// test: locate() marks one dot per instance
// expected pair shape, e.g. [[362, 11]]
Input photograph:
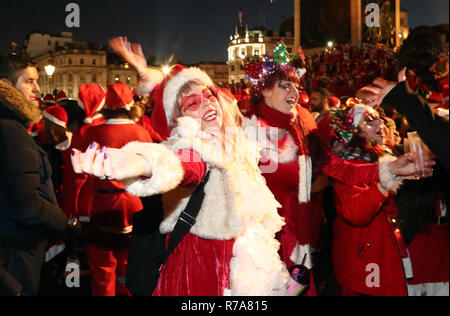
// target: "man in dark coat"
[[29, 214]]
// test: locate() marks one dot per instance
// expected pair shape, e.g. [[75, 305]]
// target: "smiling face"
[[372, 128], [283, 97], [199, 103]]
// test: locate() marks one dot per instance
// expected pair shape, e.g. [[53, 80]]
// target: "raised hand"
[[132, 53]]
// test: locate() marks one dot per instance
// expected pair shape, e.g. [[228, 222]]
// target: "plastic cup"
[[416, 147]]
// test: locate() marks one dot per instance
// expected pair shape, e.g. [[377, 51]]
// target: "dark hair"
[[11, 66], [420, 51], [119, 113], [324, 93], [75, 115], [271, 80]]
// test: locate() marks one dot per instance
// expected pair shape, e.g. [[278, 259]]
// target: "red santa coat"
[[104, 203], [72, 182], [290, 185], [231, 221], [364, 239]]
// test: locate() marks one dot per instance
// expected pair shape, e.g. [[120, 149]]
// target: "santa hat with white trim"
[[61, 96], [91, 100], [57, 115], [165, 90], [49, 99], [119, 96]]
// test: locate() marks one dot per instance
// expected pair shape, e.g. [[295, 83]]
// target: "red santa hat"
[[61, 96], [57, 115], [91, 100], [49, 98], [119, 96], [334, 102], [164, 91]]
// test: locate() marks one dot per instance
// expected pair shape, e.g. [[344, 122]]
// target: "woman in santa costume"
[[370, 256], [231, 250], [105, 208], [292, 154]]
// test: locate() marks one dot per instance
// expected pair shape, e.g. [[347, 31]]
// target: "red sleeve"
[[359, 205], [350, 173], [194, 167]]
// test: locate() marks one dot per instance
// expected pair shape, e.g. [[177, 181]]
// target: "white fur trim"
[[298, 254], [54, 119], [149, 80], [237, 205], [429, 289], [174, 85], [305, 178], [165, 167], [358, 112], [65, 144], [119, 121], [387, 179], [54, 251]]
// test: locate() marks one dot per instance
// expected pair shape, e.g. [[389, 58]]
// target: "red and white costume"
[[290, 182], [231, 250], [104, 206], [91, 100]]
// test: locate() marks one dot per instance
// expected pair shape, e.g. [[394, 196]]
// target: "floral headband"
[[345, 121], [259, 68]]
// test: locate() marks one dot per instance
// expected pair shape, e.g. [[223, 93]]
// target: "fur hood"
[[15, 101]]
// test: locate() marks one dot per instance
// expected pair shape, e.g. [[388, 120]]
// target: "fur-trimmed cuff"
[[388, 180], [148, 81], [164, 166]]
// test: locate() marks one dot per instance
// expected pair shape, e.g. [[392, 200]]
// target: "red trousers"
[[108, 268]]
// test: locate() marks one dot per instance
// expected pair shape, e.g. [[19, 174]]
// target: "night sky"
[[191, 30]]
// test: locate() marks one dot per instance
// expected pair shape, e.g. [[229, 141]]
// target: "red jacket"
[[102, 202], [72, 182], [363, 236]]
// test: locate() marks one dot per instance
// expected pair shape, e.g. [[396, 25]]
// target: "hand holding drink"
[[421, 153]]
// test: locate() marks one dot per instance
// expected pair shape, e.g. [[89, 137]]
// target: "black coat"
[[29, 213], [433, 129]]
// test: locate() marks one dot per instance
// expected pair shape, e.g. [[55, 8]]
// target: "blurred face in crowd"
[[318, 102], [27, 83], [199, 103], [372, 128], [283, 97]]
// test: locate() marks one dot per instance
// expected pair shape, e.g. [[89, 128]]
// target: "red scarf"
[[288, 122]]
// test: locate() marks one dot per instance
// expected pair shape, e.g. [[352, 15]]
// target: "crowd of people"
[[312, 171]]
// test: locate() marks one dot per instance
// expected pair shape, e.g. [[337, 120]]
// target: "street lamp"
[[50, 70]]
